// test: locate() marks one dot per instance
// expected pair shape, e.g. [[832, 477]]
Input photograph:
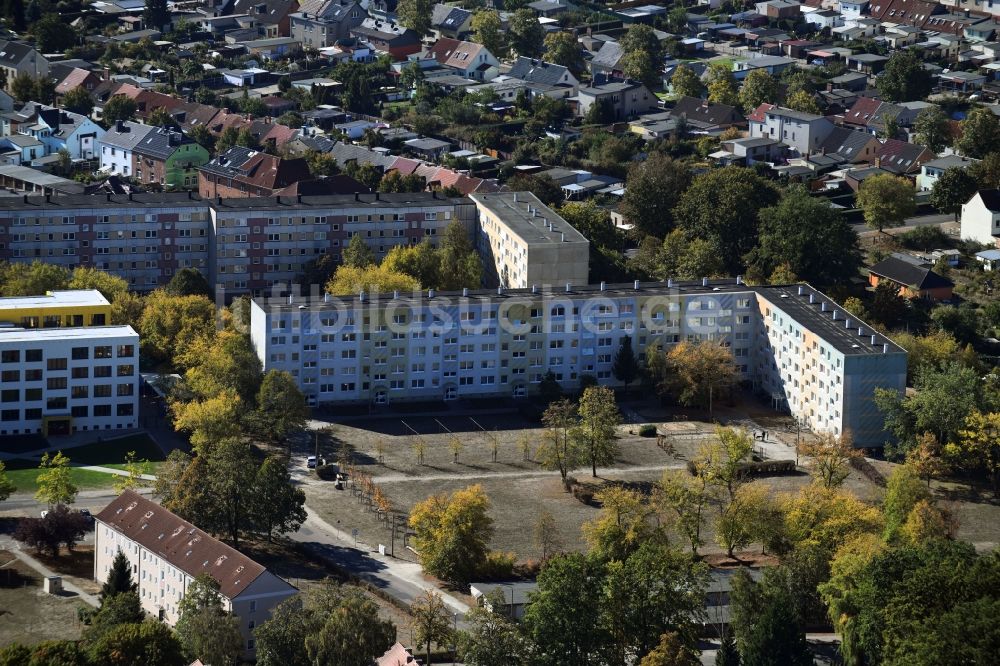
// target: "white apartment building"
[[245, 246], [167, 553], [116, 146], [793, 344], [60, 380], [524, 242]]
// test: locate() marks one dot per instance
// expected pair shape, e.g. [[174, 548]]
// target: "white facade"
[[167, 553], [431, 347], [802, 132], [116, 146], [523, 242], [59, 380], [981, 218]]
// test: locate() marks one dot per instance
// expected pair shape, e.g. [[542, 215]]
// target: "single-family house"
[[622, 100], [468, 59], [515, 597], [273, 48], [706, 117], [773, 65], [868, 63], [20, 58], [272, 16], [850, 9], [778, 9], [78, 78], [913, 280], [746, 152], [320, 23], [539, 71], [606, 63], [169, 158], [851, 145], [824, 19], [931, 170], [117, 144], [802, 132], [166, 553], [909, 12], [387, 37], [451, 21], [980, 218], [19, 149], [242, 172], [989, 259], [427, 147], [900, 157], [59, 129]]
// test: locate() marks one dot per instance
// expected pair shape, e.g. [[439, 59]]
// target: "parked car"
[[311, 462], [87, 515]]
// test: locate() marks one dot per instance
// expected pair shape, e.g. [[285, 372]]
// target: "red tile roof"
[[759, 113], [863, 111], [180, 543]]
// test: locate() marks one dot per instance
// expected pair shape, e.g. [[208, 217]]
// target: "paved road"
[[919, 221], [402, 580]]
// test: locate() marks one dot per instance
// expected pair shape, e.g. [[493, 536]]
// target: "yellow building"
[[56, 309]]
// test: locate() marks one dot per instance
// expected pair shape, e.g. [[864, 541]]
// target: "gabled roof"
[[273, 10], [180, 543], [759, 114], [74, 79], [449, 17], [847, 142], [863, 111], [258, 169], [127, 136], [899, 156], [693, 108], [454, 53], [909, 275], [608, 56], [910, 12], [327, 10], [537, 71], [161, 143], [991, 199], [13, 54]]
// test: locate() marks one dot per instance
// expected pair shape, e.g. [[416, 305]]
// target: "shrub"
[[647, 430], [498, 566]]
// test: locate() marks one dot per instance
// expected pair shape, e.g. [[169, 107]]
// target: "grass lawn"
[[111, 453], [23, 474]]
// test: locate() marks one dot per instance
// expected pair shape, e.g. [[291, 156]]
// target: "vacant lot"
[[29, 616]]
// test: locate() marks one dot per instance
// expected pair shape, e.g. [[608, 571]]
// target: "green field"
[[23, 473]]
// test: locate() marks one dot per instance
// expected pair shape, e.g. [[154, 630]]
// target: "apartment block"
[[524, 242], [167, 553], [243, 245], [80, 307], [792, 344], [56, 381]]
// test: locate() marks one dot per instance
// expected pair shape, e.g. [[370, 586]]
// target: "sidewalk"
[[45, 572]]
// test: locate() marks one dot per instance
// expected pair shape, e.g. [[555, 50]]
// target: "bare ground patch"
[[27, 615]]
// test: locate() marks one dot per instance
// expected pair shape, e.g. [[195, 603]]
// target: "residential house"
[[428, 147], [539, 71], [116, 146], [746, 152], [909, 12], [387, 37], [468, 59], [802, 132], [989, 259], [516, 595], [451, 21], [706, 117], [913, 280], [824, 19], [18, 149], [166, 553], [851, 145], [19, 58], [932, 170], [272, 16], [962, 82], [622, 99], [169, 158], [653, 126], [78, 78], [241, 172], [773, 65], [981, 218], [851, 9], [607, 62], [869, 63], [61, 130], [320, 23], [778, 9], [900, 157], [273, 48]]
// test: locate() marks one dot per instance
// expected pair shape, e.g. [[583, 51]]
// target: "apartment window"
[[102, 410], [56, 383], [10, 415], [10, 395], [124, 409], [10, 376], [57, 364], [32, 356], [126, 370], [10, 356], [79, 392], [102, 391], [126, 351], [102, 371], [80, 353], [102, 352], [125, 390], [80, 373]]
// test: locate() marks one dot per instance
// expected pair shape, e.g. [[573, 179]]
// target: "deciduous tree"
[[350, 280], [932, 129], [904, 78], [698, 371], [952, 189], [452, 533], [281, 407], [596, 430], [758, 87], [277, 506], [978, 446], [487, 29], [803, 101], [431, 622], [830, 458], [622, 526], [685, 82], [7, 486], [563, 49], [722, 84], [980, 134], [886, 200], [559, 450], [654, 187], [525, 33], [205, 630], [55, 483], [358, 254], [491, 639], [119, 107], [133, 643]]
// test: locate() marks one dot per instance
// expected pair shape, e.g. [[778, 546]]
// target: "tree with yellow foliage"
[[452, 533], [209, 420], [170, 324], [697, 371], [830, 458], [927, 458], [622, 526], [353, 280], [978, 446], [221, 361]]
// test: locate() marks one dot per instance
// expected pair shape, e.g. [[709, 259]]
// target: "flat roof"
[[529, 218], [816, 317], [81, 333], [76, 297], [819, 319], [191, 199]]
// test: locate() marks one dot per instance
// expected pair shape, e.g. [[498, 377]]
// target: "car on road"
[[311, 462], [89, 517]]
